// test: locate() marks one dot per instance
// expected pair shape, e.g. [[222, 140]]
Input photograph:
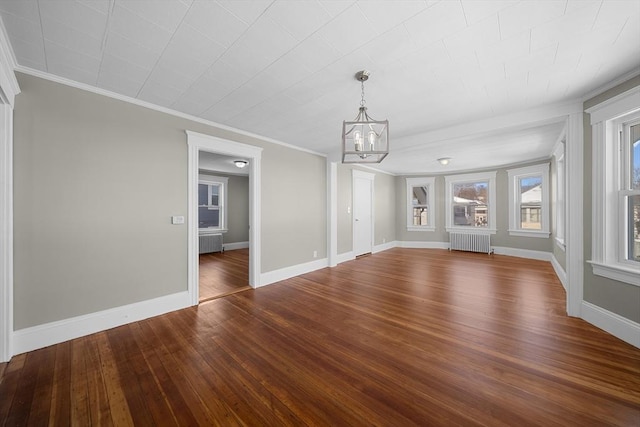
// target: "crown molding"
[[8, 81], [99, 91], [602, 89]]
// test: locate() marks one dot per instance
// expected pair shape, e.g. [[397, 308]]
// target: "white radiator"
[[210, 243], [472, 242]]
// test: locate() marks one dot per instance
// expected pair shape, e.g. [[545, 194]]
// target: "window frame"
[[515, 175], [450, 181], [625, 191], [428, 182], [560, 196], [608, 250], [223, 183]]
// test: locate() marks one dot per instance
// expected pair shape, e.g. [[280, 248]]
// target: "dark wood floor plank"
[[402, 337], [60, 408], [98, 399], [9, 385], [119, 408], [41, 407]]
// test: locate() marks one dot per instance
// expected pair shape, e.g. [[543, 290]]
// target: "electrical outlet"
[[315, 254], [384, 240]]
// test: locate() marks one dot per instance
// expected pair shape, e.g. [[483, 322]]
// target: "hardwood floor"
[[222, 273], [403, 337]]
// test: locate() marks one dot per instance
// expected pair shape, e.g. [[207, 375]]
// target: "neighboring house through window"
[[529, 201], [212, 203], [616, 182], [471, 202], [421, 204]]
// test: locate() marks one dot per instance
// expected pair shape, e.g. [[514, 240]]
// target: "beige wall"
[[96, 181], [237, 206], [618, 297]]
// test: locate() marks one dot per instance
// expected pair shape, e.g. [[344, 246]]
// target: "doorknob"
[[357, 219]]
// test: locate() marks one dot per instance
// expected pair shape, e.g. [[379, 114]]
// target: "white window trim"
[[514, 200], [473, 177], [607, 171], [560, 195], [224, 185], [431, 211]]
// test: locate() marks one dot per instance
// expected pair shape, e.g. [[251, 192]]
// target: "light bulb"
[[373, 137], [357, 140]]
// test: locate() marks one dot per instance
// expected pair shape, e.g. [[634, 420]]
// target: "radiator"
[[471, 242], [210, 243]]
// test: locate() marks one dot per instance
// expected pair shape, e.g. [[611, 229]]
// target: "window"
[[212, 197], [616, 196], [559, 195], [529, 201], [420, 204], [630, 192], [471, 202]]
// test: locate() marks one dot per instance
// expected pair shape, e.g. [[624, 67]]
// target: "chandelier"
[[364, 140]]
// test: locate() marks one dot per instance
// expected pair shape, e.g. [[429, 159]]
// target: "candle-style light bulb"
[[357, 140]]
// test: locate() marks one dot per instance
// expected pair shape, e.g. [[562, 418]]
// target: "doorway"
[[205, 143], [223, 225], [362, 212]]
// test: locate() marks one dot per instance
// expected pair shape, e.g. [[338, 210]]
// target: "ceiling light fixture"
[[240, 163], [364, 140], [444, 160]]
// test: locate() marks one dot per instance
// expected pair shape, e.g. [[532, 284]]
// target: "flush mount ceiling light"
[[240, 163], [444, 160], [364, 140]]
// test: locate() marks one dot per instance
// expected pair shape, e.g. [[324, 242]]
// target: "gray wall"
[[618, 297], [237, 206], [385, 207], [501, 238], [96, 181]]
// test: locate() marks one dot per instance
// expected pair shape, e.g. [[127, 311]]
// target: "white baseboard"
[[234, 246], [618, 326], [522, 253], [562, 275], [384, 247], [347, 256], [40, 336], [295, 270], [422, 245]]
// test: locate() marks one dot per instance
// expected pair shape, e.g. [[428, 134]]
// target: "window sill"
[[205, 231], [420, 228], [619, 272], [523, 233], [471, 230]]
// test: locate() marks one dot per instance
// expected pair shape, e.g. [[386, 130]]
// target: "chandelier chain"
[[362, 94]]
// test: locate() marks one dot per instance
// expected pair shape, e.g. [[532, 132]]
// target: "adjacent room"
[[342, 212]]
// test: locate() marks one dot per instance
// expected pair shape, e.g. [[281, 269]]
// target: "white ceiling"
[[285, 69]]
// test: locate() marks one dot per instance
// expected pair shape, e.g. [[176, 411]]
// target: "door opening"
[[198, 143]]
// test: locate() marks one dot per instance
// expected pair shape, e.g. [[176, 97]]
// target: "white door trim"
[[371, 177], [8, 90], [199, 142]]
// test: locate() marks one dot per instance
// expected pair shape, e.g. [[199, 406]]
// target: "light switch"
[[177, 220]]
